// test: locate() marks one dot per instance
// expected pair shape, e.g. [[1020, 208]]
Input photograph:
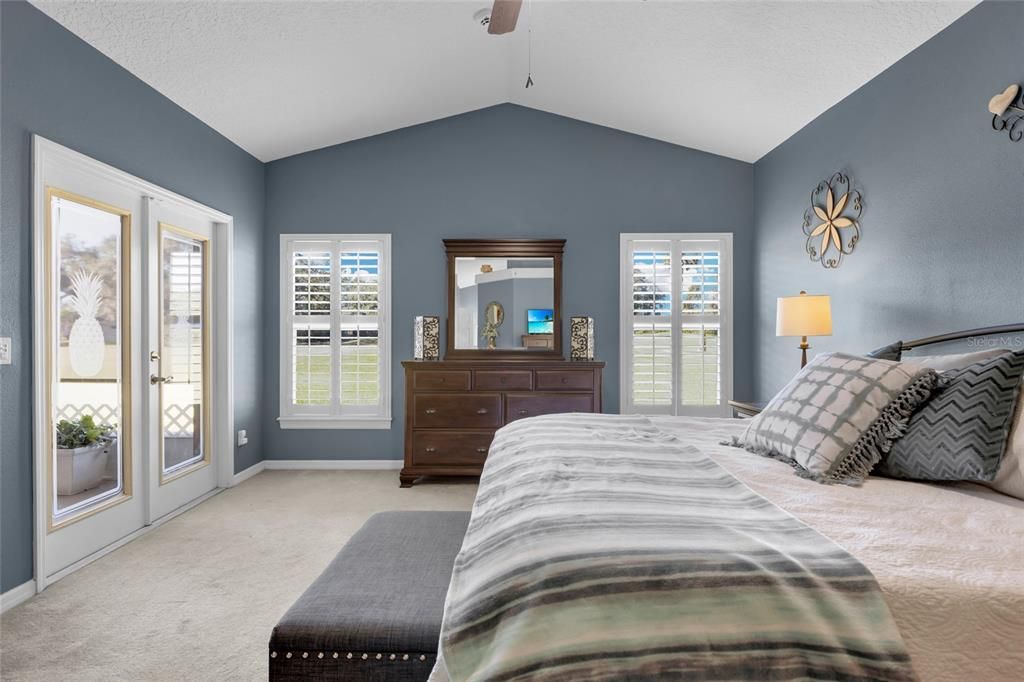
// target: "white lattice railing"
[[178, 419], [102, 414]]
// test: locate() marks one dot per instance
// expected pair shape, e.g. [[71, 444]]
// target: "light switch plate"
[[242, 438], [5, 350]]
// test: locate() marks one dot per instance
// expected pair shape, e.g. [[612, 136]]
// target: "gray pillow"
[[838, 416], [960, 434]]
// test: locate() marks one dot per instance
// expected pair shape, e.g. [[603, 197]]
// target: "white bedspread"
[[949, 558]]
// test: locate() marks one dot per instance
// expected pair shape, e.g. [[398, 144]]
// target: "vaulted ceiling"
[[732, 78]]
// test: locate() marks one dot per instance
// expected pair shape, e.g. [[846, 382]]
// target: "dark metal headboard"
[[966, 334]]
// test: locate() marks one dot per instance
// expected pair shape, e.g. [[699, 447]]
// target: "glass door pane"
[[184, 352], [91, 399]]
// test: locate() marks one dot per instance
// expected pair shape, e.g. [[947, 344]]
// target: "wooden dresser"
[[453, 407]]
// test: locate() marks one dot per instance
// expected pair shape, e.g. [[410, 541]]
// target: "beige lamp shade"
[[803, 315]]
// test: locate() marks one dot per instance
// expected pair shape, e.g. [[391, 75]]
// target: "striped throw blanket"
[[601, 548]]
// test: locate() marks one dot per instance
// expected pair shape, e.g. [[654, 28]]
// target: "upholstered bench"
[[374, 614]]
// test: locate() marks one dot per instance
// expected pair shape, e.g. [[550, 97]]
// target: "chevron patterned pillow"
[[961, 433]]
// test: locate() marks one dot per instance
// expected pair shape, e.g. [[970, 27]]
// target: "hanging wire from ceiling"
[[529, 44]]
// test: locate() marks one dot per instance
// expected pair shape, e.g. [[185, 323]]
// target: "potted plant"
[[83, 450]]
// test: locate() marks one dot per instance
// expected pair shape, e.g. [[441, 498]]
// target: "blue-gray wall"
[[942, 244], [505, 171], [57, 86]]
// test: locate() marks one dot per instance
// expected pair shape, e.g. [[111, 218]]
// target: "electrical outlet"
[[242, 438], [5, 350]]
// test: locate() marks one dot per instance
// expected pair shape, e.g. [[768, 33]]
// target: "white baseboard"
[[246, 474], [16, 595], [350, 464]]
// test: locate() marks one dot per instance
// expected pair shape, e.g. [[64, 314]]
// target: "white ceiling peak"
[[731, 78]]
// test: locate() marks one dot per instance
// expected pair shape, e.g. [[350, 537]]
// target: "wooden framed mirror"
[[504, 298]]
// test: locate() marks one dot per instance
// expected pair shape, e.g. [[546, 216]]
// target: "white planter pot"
[[79, 469]]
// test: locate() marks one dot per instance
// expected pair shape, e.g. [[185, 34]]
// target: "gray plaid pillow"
[[839, 415], [960, 434]]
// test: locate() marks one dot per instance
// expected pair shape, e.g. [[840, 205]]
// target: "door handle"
[[154, 379]]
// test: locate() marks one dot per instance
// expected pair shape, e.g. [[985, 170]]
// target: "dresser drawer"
[[466, 410], [509, 380], [565, 380], [450, 448], [533, 405], [441, 380]]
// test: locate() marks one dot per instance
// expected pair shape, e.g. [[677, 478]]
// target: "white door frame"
[[48, 155]]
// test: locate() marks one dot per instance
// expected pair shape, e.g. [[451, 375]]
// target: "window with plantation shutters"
[[676, 324], [335, 336]]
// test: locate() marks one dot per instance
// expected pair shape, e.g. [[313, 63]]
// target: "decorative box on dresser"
[[453, 408]]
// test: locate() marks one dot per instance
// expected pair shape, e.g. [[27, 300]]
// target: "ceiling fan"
[[504, 16]]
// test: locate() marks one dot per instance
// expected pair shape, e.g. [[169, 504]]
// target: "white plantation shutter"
[[675, 339], [335, 331], [359, 328], [651, 293], [311, 324], [700, 324]]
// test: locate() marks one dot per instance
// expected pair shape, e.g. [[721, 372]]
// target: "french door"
[[178, 377], [125, 393]]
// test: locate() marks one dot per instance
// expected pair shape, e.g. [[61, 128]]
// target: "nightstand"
[[746, 410]]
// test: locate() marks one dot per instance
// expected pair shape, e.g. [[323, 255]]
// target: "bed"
[[955, 587], [946, 561]]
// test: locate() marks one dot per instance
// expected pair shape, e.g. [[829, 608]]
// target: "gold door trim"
[[162, 228], [127, 455]]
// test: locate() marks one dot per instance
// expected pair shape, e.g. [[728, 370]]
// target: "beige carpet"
[[196, 598]]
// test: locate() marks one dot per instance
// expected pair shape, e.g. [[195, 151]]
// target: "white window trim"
[[726, 329], [289, 418]]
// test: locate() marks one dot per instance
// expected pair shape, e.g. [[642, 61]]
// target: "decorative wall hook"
[[1008, 112], [830, 233]]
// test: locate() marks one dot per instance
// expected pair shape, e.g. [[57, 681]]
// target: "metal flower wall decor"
[[1007, 110], [832, 221]]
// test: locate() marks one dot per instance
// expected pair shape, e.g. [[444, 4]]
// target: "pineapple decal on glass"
[[85, 343]]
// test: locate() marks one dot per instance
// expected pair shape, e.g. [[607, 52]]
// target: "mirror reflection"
[[504, 303]]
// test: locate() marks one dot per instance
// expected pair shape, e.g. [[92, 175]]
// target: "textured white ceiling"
[[732, 78]]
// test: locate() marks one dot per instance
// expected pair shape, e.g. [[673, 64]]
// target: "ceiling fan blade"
[[504, 16]]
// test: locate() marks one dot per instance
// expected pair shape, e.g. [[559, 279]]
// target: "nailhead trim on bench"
[[320, 655]]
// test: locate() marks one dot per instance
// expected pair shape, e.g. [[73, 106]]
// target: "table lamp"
[[803, 316]]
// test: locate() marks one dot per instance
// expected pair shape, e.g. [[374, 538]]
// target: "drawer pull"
[[430, 449], [482, 410], [430, 410], [504, 380], [440, 380], [523, 413], [481, 450], [565, 380]]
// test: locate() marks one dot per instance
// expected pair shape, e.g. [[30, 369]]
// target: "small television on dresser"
[[540, 321]]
